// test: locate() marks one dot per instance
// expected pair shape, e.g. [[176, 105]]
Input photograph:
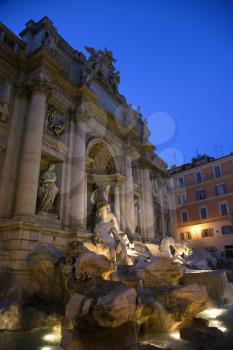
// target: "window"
[[203, 213], [182, 236], [182, 199], [200, 195], [180, 182], [185, 236], [227, 230], [223, 209], [229, 251], [199, 177], [184, 216], [220, 189], [2, 87], [207, 232], [217, 171]]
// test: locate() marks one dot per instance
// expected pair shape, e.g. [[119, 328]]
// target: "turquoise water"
[[32, 340]]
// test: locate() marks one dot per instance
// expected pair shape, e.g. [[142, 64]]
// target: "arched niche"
[[102, 167], [101, 157]]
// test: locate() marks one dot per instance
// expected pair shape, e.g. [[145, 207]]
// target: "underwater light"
[[175, 335], [211, 313], [218, 324], [54, 337]]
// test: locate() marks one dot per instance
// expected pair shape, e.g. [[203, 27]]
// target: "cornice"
[[54, 144]]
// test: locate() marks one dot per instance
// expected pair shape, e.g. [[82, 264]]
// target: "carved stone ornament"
[[41, 83], [146, 132], [129, 150], [55, 122], [83, 112], [132, 117], [101, 65], [49, 40], [21, 88]]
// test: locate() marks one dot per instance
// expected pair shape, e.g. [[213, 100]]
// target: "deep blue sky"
[[175, 58]]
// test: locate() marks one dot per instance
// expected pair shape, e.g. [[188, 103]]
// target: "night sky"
[[175, 59]]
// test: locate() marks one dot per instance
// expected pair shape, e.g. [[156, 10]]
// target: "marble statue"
[[100, 64], [107, 232], [174, 250], [48, 190], [55, 123], [146, 131]]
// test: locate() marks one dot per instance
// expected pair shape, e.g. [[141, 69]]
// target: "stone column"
[[117, 202], [9, 174], [148, 206], [122, 209], [129, 193], [78, 176], [29, 167]]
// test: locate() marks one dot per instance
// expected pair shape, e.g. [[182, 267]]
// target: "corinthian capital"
[[41, 83], [83, 112], [21, 88], [129, 150]]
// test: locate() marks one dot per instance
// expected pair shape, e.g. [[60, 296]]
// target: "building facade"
[[203, 193], [65, 130]]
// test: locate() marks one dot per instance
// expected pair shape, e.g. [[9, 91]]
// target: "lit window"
[[184, 216], [217, 171], [220, 189], [200, 195], [227, 230], [203, 213], [223, 209], [207, 232], [199, 177]]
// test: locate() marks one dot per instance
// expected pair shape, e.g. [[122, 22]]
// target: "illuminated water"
[[38, 339], [49, 339], [220, 318]]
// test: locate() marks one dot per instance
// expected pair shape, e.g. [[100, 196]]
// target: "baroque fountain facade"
[[85, 203]]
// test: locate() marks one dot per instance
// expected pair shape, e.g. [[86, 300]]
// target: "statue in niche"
[[107, 232], [48, 190], [55, 123]]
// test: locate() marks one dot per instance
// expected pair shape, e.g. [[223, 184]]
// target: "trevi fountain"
[[87, 255]]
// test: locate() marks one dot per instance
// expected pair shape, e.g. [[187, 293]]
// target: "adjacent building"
[[203, 191]]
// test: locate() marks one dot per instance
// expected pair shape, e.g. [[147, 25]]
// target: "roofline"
[[216, 160], [19, 41]]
